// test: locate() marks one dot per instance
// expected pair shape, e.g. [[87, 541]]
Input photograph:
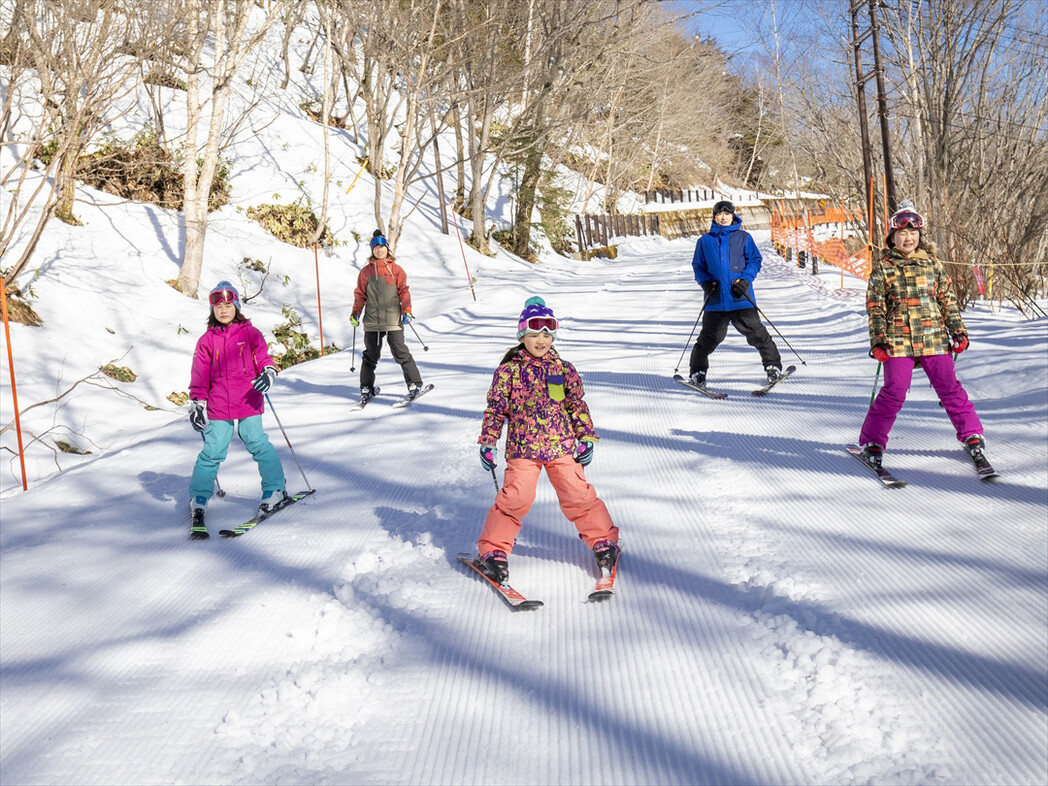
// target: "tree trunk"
[[526, 200]]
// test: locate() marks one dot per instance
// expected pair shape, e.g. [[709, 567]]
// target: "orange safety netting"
[[793, 230]]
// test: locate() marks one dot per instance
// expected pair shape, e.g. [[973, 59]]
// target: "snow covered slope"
[[780, 619]]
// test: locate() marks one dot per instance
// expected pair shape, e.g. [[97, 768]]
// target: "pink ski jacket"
[[226, 361], [540, 427]]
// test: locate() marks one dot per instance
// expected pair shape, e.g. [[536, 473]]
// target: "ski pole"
[[288, 441], [495, 478], [693, 329], [784, 341], [423, 343], [218, 486], [353, 352], [875, 378]]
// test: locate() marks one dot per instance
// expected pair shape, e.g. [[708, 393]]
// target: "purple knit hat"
[[536, 308]]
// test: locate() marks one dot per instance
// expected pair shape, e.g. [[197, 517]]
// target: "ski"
[[698, 388], [364, 401], [408, 399], [252, 523], [510, 595], [985, 471], [887, 478], [605, 584], [762, 391]]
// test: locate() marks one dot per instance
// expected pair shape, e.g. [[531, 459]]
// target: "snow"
[[780, 618]]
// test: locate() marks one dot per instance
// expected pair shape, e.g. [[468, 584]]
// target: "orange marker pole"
[[320, 312], [14, 387]]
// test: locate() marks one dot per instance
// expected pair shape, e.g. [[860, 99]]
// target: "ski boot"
[[413, 390], [607, 554], [271, 502], [872, 454], [495, 566], [366, 394], [197, 528], [774, 373], [975, 445], [698, 379]]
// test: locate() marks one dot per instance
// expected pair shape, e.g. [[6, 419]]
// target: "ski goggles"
[[538, 325], [904, 219], [220, 296], [379, 241]]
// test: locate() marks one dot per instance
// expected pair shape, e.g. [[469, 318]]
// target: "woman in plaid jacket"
[[914, 320]]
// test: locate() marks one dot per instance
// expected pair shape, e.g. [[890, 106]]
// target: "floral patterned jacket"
[[540, 427], [911, 305]]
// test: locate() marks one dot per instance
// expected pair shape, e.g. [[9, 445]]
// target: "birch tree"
[[218, 37]]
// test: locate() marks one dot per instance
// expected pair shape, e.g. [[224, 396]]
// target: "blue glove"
[[264, 381], [740, 287], [584, 452], [405, 318], [198, 414], [488, 456]]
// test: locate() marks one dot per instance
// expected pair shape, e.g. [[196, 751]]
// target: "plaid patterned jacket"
[[911, 305]]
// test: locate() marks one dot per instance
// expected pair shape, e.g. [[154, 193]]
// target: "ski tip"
[[600, 595], [528, 604], [199, 535], [228, 533]]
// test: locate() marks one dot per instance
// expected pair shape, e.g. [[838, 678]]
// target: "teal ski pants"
[[217, 436]]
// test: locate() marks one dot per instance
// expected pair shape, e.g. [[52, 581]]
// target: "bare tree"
[[973, 135], [218, 37], [72, 65]]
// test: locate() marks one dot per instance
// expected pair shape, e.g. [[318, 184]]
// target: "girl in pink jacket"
[[539, 396], [232, 370]]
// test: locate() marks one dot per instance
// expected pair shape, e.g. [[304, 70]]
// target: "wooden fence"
[[664, 195], [594, 231]]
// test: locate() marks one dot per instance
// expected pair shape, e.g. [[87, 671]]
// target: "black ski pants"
[[399, 350], [715, 327]]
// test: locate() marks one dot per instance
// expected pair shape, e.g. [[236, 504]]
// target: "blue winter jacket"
[[724, 254]]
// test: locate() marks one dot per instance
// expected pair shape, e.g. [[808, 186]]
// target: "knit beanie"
[[225, 286], [535, 307], [905, 215]]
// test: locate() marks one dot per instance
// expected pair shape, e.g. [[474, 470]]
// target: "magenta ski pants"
[[898, 373]]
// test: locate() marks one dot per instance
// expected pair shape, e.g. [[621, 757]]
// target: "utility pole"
[[882, 109]]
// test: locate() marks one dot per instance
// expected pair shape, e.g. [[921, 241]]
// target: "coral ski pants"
[[578, 501], [898, 373]]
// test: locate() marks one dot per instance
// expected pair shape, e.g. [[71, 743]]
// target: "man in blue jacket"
[[726, 261]]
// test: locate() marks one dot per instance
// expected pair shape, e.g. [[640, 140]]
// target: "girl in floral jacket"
[[914, 320], [549, 427]]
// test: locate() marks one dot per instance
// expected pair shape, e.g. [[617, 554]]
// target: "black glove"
[[488, 455], [198, 414], [264, 381], [740, 288], [584, 452], [711, 287]]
